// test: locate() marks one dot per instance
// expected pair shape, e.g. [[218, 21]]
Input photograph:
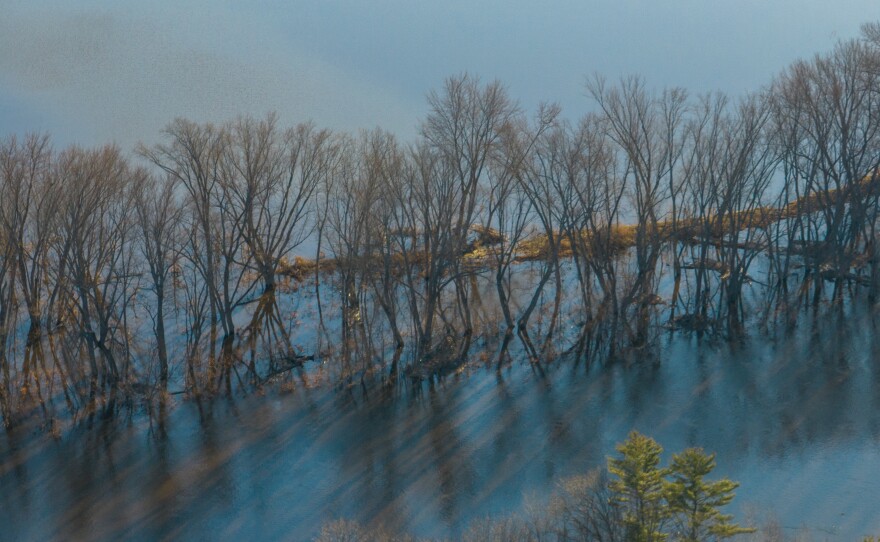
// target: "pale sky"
[[92, 72]]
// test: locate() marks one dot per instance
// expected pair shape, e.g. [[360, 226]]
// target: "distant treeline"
[[658, 210]]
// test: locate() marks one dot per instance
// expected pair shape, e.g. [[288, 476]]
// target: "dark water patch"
[[794, 417]]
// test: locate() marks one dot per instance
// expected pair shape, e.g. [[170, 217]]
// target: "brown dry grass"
[[620, 237]]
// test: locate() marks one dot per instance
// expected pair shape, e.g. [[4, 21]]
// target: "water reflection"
[[794, 416]]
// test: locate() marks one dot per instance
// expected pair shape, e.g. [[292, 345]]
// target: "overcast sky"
[[91, 72]]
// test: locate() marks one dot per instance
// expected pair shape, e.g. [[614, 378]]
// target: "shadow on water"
[[793, 415]]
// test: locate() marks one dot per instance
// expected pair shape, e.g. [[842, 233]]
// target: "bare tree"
[[460, 134], [700, 173], [96, 234], [193, 157], [159, 221], [646, 129], [746, 172], [352, 197], [270, 179], [584, 180], [826, 113], [871, 32], [382, 163], [24, 168], [510, 211], [274, 176], [422, 238]]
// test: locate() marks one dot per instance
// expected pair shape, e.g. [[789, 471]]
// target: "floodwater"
[[794, 417]]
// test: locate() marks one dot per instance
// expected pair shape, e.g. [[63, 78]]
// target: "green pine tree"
[[639, 488], [695, 502]]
